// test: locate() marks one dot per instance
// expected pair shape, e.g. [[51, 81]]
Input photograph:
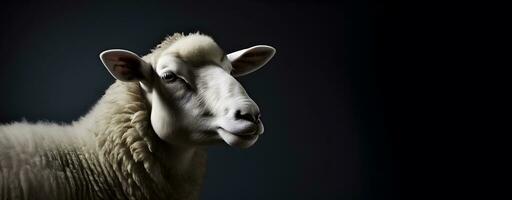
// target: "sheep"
[[146, 137]]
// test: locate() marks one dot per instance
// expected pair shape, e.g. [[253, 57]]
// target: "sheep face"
[[194, 97]]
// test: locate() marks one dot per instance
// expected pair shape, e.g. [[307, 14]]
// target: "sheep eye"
[[169, 77]]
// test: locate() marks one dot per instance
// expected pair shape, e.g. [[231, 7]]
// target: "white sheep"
[[145, 138]]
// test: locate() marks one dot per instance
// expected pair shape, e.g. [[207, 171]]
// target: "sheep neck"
[[148, 166]]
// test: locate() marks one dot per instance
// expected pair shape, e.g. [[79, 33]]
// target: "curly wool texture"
[[194, 48], [111, 153]]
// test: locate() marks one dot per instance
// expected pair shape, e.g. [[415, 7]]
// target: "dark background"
[[330, 98]]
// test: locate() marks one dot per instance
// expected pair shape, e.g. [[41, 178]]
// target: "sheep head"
[[191, 87]]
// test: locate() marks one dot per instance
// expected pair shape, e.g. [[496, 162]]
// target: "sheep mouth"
[[238, 140]]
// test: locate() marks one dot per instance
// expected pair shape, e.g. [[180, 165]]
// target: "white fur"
[[144, 138]]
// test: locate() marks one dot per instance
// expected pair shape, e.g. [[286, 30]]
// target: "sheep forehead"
[[194, 49]]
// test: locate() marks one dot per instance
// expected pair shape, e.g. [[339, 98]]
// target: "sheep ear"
[[124, 65], [248, 60]]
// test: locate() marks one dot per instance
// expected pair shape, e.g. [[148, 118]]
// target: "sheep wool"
[[112, 153]]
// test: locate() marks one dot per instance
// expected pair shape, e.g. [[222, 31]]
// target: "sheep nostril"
[[246, 116]]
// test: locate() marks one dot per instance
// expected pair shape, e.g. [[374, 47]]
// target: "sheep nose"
[[247, 114]]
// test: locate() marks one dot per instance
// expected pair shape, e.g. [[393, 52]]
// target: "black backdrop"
[[329, 100]]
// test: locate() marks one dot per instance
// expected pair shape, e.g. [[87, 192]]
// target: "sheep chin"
[[237, 141]]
